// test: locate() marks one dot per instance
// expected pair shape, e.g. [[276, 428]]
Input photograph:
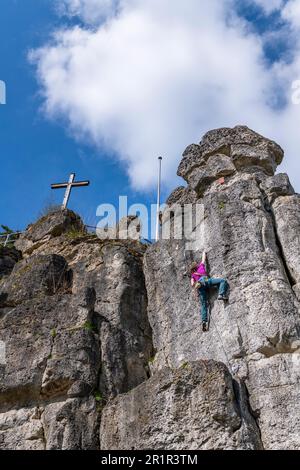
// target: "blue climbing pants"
[[203, 291]]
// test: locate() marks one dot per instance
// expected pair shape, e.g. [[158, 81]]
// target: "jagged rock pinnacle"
[[224, 152]]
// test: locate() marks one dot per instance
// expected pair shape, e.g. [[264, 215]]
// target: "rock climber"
[[202, 282]]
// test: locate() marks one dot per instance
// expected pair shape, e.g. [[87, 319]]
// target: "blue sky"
[[153, 100], [35, 151]]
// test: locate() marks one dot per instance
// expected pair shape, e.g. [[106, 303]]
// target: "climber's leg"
[[203, 302], [223, 286]]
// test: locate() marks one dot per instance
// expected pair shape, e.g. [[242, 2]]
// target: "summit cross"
[[71, 184]]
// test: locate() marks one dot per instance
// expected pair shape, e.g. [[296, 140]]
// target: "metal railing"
[[91, 229], [12, 237], [9, 237]]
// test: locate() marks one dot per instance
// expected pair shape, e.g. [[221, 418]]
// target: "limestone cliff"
[[73, 317], [103, 340]]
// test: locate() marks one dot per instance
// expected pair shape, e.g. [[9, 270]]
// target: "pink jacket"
[[201, 271]]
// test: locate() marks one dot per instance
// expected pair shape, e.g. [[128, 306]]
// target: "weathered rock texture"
[[73, 317], [251, 232], [8, 258], [195, 407], [103, 338]]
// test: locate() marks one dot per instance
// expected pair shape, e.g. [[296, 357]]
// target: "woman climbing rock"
[[201, 281]]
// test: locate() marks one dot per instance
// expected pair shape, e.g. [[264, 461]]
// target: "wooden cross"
[[71, 184]]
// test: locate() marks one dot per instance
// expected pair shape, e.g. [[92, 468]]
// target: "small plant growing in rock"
[[74, 233], [98, 396], [88, 325], [151, 360], [184, 365], [100, 400], [49, 209], [221, 205], [53, 333]]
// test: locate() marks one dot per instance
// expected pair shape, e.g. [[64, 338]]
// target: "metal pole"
[[157, 237], [6, 241]]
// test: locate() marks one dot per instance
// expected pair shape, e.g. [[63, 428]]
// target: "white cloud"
[[269, 5], [90, 11], [157, 76], [291, 13]]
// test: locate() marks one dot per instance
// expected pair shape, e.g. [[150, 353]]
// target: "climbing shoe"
[[223, 297], [204, 326]]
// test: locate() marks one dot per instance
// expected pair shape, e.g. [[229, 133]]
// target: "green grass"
[[74, 233]]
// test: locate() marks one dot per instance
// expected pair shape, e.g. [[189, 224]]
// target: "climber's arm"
[[192, 281], [203, 257]]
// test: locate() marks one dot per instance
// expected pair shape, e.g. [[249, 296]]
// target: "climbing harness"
[[201, 282]]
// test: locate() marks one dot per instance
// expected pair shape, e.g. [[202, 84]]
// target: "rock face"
[[103, 340], [48, 227], [252, 236], [8, 258], [35, 276], [73, 318], [195, 407]]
